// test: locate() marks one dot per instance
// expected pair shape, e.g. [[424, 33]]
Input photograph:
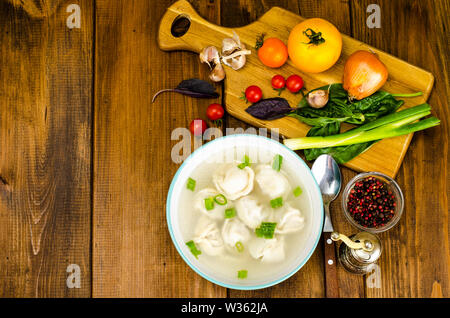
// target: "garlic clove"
[[234, 52], [236, 60], [238, 40], [235, 63], [231, 45], [318, 98], [210, 56], [218, 73]]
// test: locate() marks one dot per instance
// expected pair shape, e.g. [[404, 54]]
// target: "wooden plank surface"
[[133, 255], [416, 252], [45, 148], [46, 94]]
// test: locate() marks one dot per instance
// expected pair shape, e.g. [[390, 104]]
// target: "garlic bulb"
[[233, 55]]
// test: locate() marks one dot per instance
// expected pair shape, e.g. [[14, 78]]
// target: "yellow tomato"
[[314, 45]]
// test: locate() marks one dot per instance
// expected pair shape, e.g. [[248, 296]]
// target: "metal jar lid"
[[373, 248]]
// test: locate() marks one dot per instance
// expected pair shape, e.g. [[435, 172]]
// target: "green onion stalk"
[[396, 124]]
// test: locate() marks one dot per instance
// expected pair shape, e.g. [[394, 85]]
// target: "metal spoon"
[[328, 176]]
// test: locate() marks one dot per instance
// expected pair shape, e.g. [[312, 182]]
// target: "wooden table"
[[85, 157]]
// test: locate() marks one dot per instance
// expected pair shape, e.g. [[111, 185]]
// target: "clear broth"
[[229, 264]]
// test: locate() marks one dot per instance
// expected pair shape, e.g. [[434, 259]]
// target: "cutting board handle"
[[181, 15]]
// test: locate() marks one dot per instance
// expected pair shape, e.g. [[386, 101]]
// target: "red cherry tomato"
[[215, 112], [278, 82], [294, 83], [197, 127], [253, 94]]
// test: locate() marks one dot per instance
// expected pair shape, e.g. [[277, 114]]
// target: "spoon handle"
[[331, 282]]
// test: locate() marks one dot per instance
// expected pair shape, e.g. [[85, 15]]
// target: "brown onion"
[[364, 74]]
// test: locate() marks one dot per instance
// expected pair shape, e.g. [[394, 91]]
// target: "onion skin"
[[364, 74]]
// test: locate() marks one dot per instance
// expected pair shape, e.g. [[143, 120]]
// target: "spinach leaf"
[[377, 105], [339, 106], [341, 154], [317, 121]]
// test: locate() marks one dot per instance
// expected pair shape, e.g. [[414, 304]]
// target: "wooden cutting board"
[[385, 156]]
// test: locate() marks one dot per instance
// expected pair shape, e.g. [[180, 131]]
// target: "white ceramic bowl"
[[301, 172]]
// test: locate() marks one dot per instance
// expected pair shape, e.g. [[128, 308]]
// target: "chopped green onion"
[[220, 199], [242, 274], [193, 248], [190, 184], [266, 230], [277, 161], [277, 202], [298, 191], [230, 213], [209, 204], [246, 163], [239, 247]]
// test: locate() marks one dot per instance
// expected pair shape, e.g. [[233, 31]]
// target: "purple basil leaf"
[[193, 93], [198, 86], [193, 87], [270, 108]]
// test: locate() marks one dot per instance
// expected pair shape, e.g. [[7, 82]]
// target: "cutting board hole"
[[180, 25]]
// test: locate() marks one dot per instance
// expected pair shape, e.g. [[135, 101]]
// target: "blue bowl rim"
[[192, 266]]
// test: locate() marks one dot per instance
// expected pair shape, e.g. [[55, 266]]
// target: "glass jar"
[[392, 186]]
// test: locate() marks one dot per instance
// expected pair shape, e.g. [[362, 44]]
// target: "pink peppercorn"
[[370, 203]]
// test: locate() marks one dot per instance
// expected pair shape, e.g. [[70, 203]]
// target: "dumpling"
[[234, 182], [273, 184], [218, 212], [250, 211], [234, 231], [289, 220], [267, 250], [207, 237]]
